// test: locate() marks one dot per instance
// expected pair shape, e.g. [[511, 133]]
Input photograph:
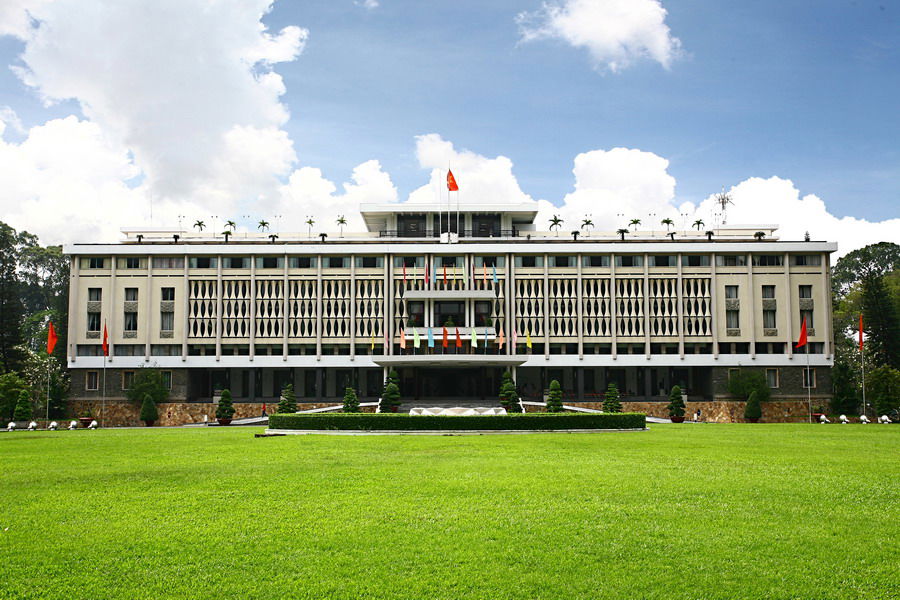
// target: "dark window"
[[562, 261], [131, 294], [95, 294], [168, 294], [731, 292], [132, 262], [131, 321], [203, 262], [483, 313], [696, 260], [127, 379], [409, 261], [95, 262], [530, 261], [731, 260], [236, 262], [808, 315], [629, 260], [369, 262], [92, 381], [335, 262], [93, 321], [303, 262], [806, 291], [768, 260], [664, 260], [168, 262], [600, 260], [269, 262], [768, 291], [807, 260]]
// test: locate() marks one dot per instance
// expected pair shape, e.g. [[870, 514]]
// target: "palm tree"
[[634, 222], [699, 223], [341, 222], [263, 225], [709, 235], [555, 222], [759, 235], [668, 223], [671, 235], [587, 223], [231, 225], [200, 225], [273, 237], [622, 233], [575, 235], [226, 233], [310, 222]]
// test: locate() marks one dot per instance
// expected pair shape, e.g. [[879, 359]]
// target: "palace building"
[[451, 301]]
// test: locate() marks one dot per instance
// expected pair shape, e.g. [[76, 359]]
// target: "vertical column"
[[679, 308], [112, 309], [714, 306], [252, 349], [388, 316], [218, 307], [186, 308], [825, 310], [285, 305], [75, 315], [789, 314], [647, 306], [613, 309], [579, 314], [318, 313], [147, 300], [352, 307], [546, 307], [510, 307], [752, 303]]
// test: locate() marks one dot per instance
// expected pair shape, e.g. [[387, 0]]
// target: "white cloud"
[[615, 32], [369, 4]]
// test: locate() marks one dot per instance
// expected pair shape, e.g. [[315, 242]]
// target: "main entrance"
[[472, 383]]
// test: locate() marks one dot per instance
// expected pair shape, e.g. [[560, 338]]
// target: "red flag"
[[458, 341], [444, 343], [445, 274], [451, 182], [105, 343], [860, 333], [404, 271], [802, 341], [426, 271], [51, 338]]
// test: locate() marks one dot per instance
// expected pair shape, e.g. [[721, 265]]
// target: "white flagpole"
[[808, 385], [48, 387], [103, 395], [862, 358]]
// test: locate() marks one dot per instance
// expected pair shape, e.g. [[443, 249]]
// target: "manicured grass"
[[679, 511]]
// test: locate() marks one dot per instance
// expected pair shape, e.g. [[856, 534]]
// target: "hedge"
[[404, 422]]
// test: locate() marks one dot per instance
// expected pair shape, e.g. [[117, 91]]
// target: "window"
[[131, 262], [303, 262], [167, 379], [203, 262], [369, 262], [629, 260], [95, 294], [168, 262], [93, 262], [768, 260], [167, 321], [807, 260], [489, 261], [732, 319], [769, 319], [806, 291], [269, 262], [131, 294], [768, 292], [92, 381], [731, 292], [696, 260], [168, 294], [448, 261], [165, 350], [127, 379], [772, 377], [562, 261], [409, 261], [88, 350], [530, 262], [93, 321], [416, 317], [334, 262], [664, 260], [600, 260], [731, 260], [236, 262], [808, 315], [809, 378], [131, 321], [129, 350], [482, 313]]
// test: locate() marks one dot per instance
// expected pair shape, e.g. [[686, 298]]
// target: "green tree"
[[845, 398], [874, 260], [12, 310], [288, 401], [883, 389], [11, 386], [676, 402], [225, 409], [351, 401], [509, 397], [149, 414], [390, 397], [753, 409], [148, 380], [554, 398], [23, 410], [611, 400], [881, 322], [37, 366], [743, 383]]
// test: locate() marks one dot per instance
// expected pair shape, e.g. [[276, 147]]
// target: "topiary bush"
[[351, 402], [509, 397], [148, 380], [389, 398], [676, 402], [611, 400], [23, 407], [743, 383], [149, 414], [753, 410], [225, 410], [288, 402], [404, 422], [554, 397]]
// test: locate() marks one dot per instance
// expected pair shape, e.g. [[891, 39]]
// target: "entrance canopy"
[[449, 360]]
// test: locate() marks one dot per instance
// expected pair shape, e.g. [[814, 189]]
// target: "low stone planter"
[[677, 419], [223, 421], [85, 421]]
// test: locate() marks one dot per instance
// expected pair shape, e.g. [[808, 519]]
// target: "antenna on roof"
[[723, 200]]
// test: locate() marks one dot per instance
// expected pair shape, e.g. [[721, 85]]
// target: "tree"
[[351, 402], [699, 224], [554, 398], [753, 409], [874, 260], [622, 233], [634, 222], [11, 386], [37, 366], [676, 402], [309, 223], [743, 383], [263, 225], [23, 407], [11, 307], [225, 409], [148, 380], [231, 225], [199, 225], [845, 399], [555, 222], [587, 223], [288, 401], [881, 322], [668, 223], [611, 400], [226, 234], [509, 397], [149, 414], [759, 235], [390, 397], [883, 389], [341, 222]]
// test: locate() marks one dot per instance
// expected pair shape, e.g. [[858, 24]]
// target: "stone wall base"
[[127, 414], [720, 411]]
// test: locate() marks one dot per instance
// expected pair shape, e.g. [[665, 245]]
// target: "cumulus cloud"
[[615, 32], [369, 4]]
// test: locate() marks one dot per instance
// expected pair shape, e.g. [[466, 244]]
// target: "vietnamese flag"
[[51, 338], [458, 341], [451, 182], [445, 274], [860, 333], [105, 344], [802, 341], [444, 343]]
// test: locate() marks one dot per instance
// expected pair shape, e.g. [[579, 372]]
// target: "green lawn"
[[679, 511]]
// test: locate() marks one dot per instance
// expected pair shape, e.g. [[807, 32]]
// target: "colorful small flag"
[[860, 332], [402, 339], [527, 339], [458, 339], [451, 182], [426, 271], [474, 338], [416, 341], [51, 338], [501, 339], [404, 271], [430, 338], [372, 345], [802, 341], [444, 342], [483, 273], [105, 344], [515, 338], [495, 274]]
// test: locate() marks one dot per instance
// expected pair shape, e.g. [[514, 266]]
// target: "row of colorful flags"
[[431, 275], [500, 339]]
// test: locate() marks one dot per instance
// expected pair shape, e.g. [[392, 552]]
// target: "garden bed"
[[404, 422]]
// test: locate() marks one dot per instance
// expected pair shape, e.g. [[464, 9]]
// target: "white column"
[[252, 349], [579, 311], [546, 307], [647, 306], [679, 307], [714, 306], [388, 310], [218, 308], [285, 305], [510, 304], [112, 310], [825, 310], [752, 294], [71, 337], [148, 303], [186, 309], [613, 309], [352, 307], [319, 307], [789, 294]]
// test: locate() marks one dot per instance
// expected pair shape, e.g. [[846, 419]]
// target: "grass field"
[[680, 511]]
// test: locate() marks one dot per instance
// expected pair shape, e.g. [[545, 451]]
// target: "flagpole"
[[862, 358], [48, 387], [103, 395], [808, 385]]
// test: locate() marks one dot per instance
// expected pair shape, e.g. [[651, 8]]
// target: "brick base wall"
[[127, 414], [724, 411]]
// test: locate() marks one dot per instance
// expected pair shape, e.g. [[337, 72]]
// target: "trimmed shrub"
[[676, 402], [23, 407], [743, 383], [225, 410], [148, 409], [611, 401], [390, 397], [288, 401], [554, 398], [148, 380], [753, 410], [403, 422], [351, 402], [509, 397], [11, 386]]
